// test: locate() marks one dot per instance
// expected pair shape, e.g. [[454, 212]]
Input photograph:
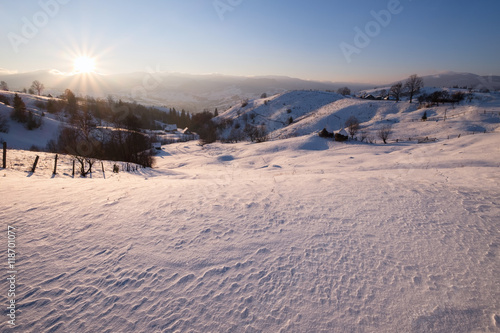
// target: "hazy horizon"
[[367, 41]]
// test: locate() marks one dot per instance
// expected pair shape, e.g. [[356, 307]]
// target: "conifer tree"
[[19, 113]]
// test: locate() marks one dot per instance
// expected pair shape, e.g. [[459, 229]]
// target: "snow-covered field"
[[296, 235]]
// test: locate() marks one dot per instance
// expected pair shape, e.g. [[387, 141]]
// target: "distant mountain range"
[[198, 92], [452, 79]]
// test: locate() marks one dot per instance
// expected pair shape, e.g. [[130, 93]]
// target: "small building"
[[342, 135], [171, 128]]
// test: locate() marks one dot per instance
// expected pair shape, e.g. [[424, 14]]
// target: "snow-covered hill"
[[297, 113], [18, 136]]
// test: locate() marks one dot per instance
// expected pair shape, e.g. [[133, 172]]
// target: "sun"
[[84, 65]]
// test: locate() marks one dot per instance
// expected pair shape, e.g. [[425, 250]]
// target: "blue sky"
[[305, 39]]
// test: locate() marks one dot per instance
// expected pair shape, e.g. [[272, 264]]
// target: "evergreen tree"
[[72, 105], [424, 117], [19, 113]]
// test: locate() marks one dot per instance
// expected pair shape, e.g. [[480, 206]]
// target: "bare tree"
[[38, 87], [4, 86], [352, 125], [413, 85], [385, 132], [344, 91], [80, 141], [396, 91]]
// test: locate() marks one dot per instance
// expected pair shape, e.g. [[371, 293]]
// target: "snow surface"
[[295, 235]]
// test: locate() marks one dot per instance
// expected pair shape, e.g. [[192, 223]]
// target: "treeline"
[[107, 129], [117, 112], [442, 97], [210, 130]]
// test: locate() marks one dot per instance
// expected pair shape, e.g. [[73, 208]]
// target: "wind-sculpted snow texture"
[[298, 235]]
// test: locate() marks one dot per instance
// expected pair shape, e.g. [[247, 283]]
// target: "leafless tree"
[[344, 91], [385, 132], [4, 86], [396, 91], [38, 87], [352, 125], [413, 85]]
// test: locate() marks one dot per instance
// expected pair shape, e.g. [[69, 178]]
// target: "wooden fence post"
[[34, 164], [55, 166], [73, 173], [5, 155]]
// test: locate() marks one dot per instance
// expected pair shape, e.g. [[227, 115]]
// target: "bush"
[[40, 105], [33, 122], [55, 106], [4, 99], [256, 133], [52, 146], [4, 124]]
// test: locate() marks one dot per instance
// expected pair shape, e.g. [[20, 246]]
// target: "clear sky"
[[310, 39]]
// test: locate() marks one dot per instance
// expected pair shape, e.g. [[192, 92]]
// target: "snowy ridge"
[[311, 111]]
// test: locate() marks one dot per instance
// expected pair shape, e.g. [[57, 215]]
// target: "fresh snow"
[[293, 235]]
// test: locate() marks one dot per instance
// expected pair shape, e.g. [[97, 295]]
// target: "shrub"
[[424, 117], [33, 121], [40, 105], [256, 133], [4, 99], [4, 124]]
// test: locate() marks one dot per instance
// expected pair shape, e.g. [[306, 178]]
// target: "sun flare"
[[84, 65]]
